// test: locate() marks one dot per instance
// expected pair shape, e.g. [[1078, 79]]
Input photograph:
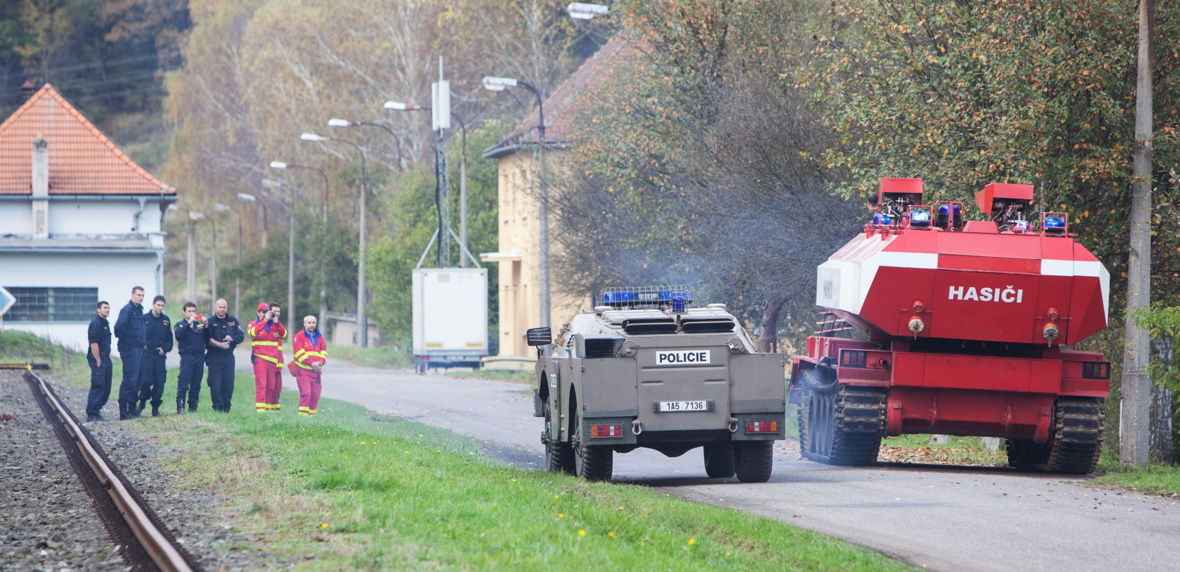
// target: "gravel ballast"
[[47, 521]]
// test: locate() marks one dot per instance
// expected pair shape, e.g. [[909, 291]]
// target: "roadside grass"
[[1157, 479], [350, 489], [384, 357]]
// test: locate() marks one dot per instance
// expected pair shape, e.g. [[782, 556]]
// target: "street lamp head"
[[221, 208], [309, 136], [337, 122], [195, 216], [584, 11], [272, 184], [491, 83], [278, 165], [396, 106], [246, 197]]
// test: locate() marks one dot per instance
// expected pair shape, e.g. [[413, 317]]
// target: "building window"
[[52, 304]]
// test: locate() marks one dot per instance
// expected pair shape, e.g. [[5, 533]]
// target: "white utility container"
[[450, 317]]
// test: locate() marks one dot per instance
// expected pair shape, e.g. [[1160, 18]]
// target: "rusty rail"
[[147, 545]]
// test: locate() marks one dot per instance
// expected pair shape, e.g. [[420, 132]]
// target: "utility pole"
[[1135, 409]]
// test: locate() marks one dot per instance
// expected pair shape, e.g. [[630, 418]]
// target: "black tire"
[[591, 462], [559, 456], [719, 461], [840, 424], [754, 460]]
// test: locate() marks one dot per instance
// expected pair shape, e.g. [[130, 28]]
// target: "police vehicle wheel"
[[719, 462], [755, 460], [559, 456], [591, 462]]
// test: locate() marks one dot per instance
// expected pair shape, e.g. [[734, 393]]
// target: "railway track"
[[144, 541]]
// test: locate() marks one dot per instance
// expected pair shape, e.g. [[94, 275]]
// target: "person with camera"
[[267, 334]]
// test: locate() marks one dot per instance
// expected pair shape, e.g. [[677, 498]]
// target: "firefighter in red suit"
[[311, 352], [267, 334]]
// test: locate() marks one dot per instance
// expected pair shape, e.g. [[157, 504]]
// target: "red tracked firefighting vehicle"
[[936, 325]]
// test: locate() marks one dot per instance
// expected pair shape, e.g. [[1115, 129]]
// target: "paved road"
[[932, 516]]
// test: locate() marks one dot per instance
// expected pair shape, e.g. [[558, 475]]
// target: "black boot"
[[155, 410], [123, 411], [179, 407], [142, 405]]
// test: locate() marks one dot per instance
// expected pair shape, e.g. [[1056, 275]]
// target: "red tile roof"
[[560, 106], [82, 161]]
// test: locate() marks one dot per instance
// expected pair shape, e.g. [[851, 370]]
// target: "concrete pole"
[[463, 196], [238, 280], [291, 267], [191, 264]]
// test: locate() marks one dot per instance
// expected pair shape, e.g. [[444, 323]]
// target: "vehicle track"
[[144, 541]]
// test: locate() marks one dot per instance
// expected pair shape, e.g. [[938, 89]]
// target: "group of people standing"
[[146, 338]]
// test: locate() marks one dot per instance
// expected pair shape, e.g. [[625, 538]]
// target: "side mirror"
[[539, 336]]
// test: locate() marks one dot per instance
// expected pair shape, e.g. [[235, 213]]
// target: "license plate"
[[683, 406]]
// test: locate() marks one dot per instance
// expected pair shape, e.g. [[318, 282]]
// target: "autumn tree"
[[698, 163]]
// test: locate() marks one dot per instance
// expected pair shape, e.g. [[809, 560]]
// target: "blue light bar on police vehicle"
[[647, 297]]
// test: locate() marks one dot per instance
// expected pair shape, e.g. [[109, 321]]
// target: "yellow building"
[[519, 227]]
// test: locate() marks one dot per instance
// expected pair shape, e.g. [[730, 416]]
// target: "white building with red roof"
[[79, 220]]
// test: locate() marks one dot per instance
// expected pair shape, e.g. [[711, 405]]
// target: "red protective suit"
[[311, 352], [267, 344]]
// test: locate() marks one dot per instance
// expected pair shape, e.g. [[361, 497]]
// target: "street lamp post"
[[213, 259], [245, 198], [290, 250], [191, 264], [324, 220], [500, 84], [362, 324], [400, 106]]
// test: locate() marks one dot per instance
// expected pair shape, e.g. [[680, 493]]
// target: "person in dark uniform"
[[159, 342], [190, 342], [129, 328], [99, 358], [223, 334]]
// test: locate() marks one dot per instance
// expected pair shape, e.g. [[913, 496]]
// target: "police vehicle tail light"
[[1096, 370], [607, 430], [761, 426]]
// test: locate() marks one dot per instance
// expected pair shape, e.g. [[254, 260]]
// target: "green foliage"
[[104, 56], [967, 93], [1163, 325]]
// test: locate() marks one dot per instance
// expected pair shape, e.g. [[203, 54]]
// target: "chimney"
[[27, 90], [40, 187]]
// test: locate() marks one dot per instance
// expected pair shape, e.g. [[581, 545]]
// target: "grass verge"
[[352, 490], [1157, 479]]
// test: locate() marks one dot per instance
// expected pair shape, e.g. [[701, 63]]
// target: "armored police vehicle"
[[645, 369]]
